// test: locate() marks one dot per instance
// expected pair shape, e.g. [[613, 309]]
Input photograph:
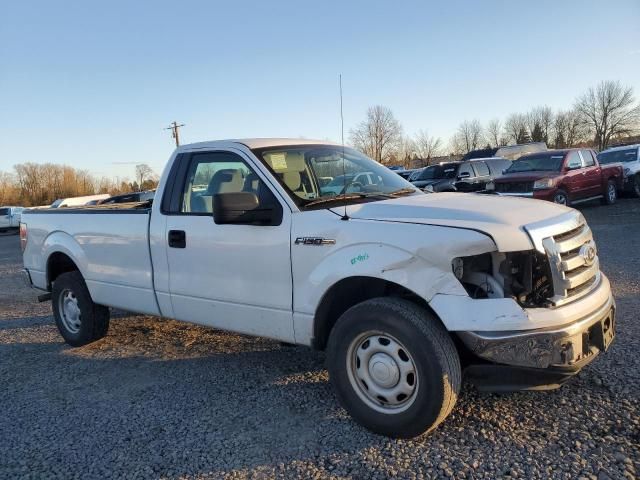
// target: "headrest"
[[292, 180], [225, 181]]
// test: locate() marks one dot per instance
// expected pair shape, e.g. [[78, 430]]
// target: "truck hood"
[[501, 218], [526, 176]]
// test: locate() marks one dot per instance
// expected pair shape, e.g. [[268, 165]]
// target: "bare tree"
[[143, 173], [405, 152], [426, 146], [539, 124], [568, 129], [494, 132], [469, 135], [516, 128], [609, 111], [379, 136]]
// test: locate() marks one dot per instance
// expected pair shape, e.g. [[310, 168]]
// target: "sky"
[[92, 84]]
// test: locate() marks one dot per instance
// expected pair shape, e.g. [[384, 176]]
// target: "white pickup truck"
[[404, 290]]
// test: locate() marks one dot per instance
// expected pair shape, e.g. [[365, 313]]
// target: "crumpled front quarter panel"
[[417, 257]]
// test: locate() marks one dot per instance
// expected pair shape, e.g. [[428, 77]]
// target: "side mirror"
[[462, 175], [243, 208]]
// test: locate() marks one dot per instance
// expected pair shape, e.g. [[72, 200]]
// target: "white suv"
[[629, 157]]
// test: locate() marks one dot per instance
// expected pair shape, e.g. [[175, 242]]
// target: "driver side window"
[[574, 161], [213, 173]]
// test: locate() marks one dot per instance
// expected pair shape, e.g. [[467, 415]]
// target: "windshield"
[[540, 162], [446, 170], [618, 156], [311, 173]]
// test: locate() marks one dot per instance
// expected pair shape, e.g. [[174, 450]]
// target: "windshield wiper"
[[402, 191], [355, 196]]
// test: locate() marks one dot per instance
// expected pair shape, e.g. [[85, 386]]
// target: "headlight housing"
[[543, 183]]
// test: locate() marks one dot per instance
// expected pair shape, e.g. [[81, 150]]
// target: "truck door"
[[592, 175], [574, 180], [232, 276]]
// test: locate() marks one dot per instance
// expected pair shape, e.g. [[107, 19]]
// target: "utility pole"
[[175, 134]]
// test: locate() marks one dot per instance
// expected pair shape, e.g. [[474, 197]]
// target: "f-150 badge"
[[314, 241]]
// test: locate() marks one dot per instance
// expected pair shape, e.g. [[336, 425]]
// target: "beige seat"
[[223, 181]]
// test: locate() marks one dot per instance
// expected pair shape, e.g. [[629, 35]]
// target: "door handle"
[[177, 239]]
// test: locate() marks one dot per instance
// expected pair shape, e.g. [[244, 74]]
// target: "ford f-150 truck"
[[566, 177], [404, 290]]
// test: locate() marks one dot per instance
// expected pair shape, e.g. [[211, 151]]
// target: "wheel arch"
[[58, 263], [351, 291]]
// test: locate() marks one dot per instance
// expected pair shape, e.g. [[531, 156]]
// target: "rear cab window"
[[588, 158]]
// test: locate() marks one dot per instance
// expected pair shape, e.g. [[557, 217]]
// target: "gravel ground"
[[160, 399]]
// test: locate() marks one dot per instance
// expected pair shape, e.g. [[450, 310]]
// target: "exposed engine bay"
[[523, 276]]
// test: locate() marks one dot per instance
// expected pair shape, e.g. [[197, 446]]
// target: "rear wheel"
[[611, 194], [561, 198], [394, 367], [79, 320]]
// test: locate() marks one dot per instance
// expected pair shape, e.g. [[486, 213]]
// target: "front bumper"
[[569, 347]]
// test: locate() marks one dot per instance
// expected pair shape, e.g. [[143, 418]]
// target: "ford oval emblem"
[[588, 253]]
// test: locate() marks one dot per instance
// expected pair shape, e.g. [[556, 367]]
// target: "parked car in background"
[[78, 201], [350, 182], [130, 197], [628, 157], [405, 173], [510, 152], [10, 217], [466, 176], [562, 176]]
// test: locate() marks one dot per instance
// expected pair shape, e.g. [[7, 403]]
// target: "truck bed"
[[109, 244]]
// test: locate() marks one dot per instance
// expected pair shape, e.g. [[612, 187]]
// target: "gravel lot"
[[160, 399]]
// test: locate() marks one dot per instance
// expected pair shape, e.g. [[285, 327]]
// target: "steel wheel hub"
[[69, 311], [382, 372]]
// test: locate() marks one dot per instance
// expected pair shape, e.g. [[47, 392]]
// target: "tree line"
[[600, 116], [35, 184]]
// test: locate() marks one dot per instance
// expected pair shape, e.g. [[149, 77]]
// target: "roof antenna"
[[344, 173]]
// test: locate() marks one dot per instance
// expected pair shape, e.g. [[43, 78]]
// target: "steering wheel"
[[352, 185]]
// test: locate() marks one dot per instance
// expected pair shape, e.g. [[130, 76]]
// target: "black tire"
[[437, 366], [635, 188], [93, 319], [561, 198], [610, 194]]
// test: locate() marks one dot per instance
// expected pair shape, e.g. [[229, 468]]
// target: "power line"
[[175, 132]]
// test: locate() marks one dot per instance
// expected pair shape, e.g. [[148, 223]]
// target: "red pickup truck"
[[562, 176]]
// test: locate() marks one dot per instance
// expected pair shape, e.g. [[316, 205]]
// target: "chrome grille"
[[574, 263]]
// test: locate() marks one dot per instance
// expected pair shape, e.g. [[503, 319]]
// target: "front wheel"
[[394, 367], [561, 198], [611, 194], [79, 320]]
